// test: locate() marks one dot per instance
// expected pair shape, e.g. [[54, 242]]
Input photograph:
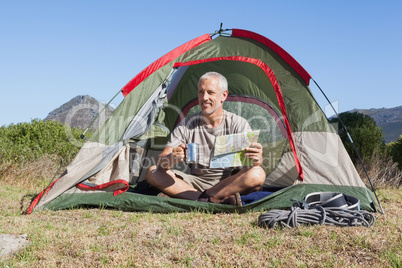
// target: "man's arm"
[[171, 156]]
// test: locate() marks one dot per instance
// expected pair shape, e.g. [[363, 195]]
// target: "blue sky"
[[52, 51]]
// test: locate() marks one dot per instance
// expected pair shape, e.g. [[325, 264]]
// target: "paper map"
[[229, 149]]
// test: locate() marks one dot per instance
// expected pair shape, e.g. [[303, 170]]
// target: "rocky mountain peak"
[[80, 111]]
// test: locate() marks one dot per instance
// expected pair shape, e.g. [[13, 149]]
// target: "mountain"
[[389, 119], [80, 112]]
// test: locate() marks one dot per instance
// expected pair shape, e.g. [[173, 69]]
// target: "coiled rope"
[[318, 215], [315, 211]]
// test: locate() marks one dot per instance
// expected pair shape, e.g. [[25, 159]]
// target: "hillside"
[[80, 112], [389, 119]]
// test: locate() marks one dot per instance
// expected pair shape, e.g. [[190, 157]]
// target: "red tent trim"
[[87, 187], [82, 186], [172, 55], [277, 49], [277, 89], [37, 199]]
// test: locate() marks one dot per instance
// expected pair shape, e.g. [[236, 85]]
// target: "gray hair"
[[223, 83]]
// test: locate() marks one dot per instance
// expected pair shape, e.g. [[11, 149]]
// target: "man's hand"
[[254, 152], [171, 156], [178, 154]]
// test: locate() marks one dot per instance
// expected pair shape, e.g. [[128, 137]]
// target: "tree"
[[366, 135]]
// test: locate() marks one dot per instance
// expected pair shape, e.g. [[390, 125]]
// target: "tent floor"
[[131, 201]]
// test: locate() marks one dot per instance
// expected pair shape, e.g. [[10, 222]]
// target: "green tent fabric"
[[137, 202], [267, 86]]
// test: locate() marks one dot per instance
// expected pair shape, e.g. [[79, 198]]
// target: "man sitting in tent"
[[217, 185]]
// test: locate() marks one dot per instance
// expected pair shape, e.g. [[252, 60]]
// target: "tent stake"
[[354, 146]]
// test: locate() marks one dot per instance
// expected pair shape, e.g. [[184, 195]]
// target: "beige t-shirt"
[[194, 130]]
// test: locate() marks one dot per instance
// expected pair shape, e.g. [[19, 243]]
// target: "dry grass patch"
[[98, 237], [111, 238], [381, 170], [30, 176]]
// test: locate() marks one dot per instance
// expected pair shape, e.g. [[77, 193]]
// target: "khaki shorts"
[[201, 183], [198, 183]]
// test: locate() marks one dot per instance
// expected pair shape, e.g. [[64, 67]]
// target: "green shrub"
[[396, 151], [25, 142]]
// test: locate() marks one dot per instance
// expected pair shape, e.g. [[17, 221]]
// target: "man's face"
[[210, 97]]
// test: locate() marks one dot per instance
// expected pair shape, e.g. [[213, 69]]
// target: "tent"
[[267, 86]]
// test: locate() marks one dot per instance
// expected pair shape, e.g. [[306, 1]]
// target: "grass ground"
[[100, 237]]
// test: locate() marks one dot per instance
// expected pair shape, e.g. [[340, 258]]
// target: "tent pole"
[[220, 31], [90, 124], [354, 146]]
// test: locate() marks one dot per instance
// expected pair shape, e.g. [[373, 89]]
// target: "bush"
[[396, 151], [376, 156], [26, 142], [366, 135]]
